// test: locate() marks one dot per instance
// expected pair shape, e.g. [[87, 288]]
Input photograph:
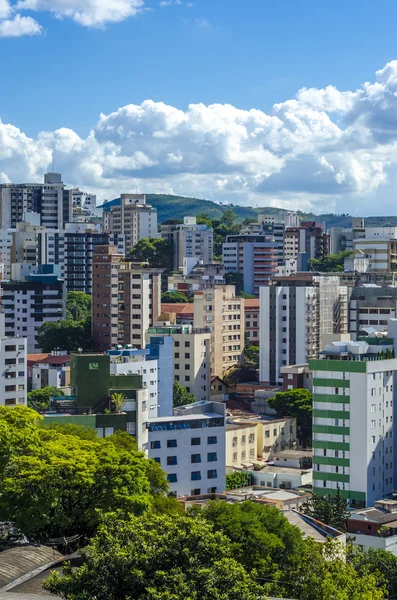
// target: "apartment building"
[[27, 304], [251, 315], [254, 257], [190, 240], [218, 308], [190, 447], [295, 313], [380, 252], [5, 252], [191, 356], [132, 217], [271, 228], [353, 447], [13, 368], [139, 298], [105, 294], [370, 307], [50, 200], [309, 238]]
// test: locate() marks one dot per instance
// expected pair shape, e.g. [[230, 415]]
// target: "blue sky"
[[250, 54]]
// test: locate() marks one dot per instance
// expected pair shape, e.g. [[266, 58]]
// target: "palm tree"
[[118, 399]]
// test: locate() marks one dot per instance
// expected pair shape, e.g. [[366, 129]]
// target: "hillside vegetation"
[[176, 207]]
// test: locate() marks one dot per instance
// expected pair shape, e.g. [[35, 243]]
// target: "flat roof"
[[188, 417]]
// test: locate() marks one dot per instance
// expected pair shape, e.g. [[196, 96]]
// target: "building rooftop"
[[54, 360], [20, 562], [187, 417], [179, 309], [35, 358], [252, 303], [311, 528]]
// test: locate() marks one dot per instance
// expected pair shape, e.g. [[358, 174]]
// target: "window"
[[196, 441], [195, 458], [172, 460], [172, 477], [234, 456], [195, 492], [373, 424], [274, 431], [212, 457], [212, 474], [109, 431], [372, 439], [157, 460], [212, 439], [267, 433], [171, 444], [373, 408], [195, 475]]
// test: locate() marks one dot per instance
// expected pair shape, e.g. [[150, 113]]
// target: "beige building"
[[132, 217], [380, 252], [257, 439], [190, 240], [191, 356], [126, 299], [251, 315], [218, 308]]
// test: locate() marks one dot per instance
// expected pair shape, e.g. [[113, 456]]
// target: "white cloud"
[[5, 9], [165, 3], [19, 26], [322, 150]]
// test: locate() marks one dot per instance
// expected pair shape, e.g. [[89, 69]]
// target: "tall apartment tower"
[[105, 293], [309, 238], [126, 299], [254, 257], [50, 200], [296, 313], [132, 217], [353, 446], [218, 308], [13, 368], [139, 302], [190, 241], [30, 303]]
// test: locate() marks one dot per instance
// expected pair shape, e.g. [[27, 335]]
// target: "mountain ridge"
[[176, 207]]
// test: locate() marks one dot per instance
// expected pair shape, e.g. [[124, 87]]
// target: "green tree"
[[156, 557], [78, 306], [381, 561], [240, 374], [251, 356], [329, 509], [181, 396], [158, 252], [237, 479], [333, 263], [229, 218], [41, 398], [54, 483], [175, 298], [296, 403], [118, 400], [66, 335], [261, 537]]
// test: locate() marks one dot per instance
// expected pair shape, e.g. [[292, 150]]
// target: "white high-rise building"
[[295, 313], [190, 446], [353, 445], [13, 368]]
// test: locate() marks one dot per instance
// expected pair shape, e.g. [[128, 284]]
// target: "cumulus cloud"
[[165, 3], [19, 26], [325, 149]]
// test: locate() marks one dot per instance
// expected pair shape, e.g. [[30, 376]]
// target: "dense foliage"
[[175, 298], [251, 356], [55, 482], [237, 479], [328, 509], [65, 335], [296, 403], [40, 399], [218, 552], [333, 263], [156, 251], [181, 396], [78, 306]]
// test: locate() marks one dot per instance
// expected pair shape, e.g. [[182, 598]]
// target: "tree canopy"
[[65, 335], [237, 479], [328, 509], [181, 396], [296, 403], [55, 483], [333, 263], [78, 306], [157, 557], [41, 398], [251, 356], [158, 252], [175, 298]]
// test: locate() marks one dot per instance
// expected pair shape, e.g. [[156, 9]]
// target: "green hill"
[[176, 207]]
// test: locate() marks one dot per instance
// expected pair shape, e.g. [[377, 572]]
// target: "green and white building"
[[353, 421]]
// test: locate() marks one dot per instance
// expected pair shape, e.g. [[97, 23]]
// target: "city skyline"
[[253, 111]]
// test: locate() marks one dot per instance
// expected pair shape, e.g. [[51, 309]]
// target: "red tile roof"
[[251, 303], [54, 360], [178, 309], [35, 358]]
